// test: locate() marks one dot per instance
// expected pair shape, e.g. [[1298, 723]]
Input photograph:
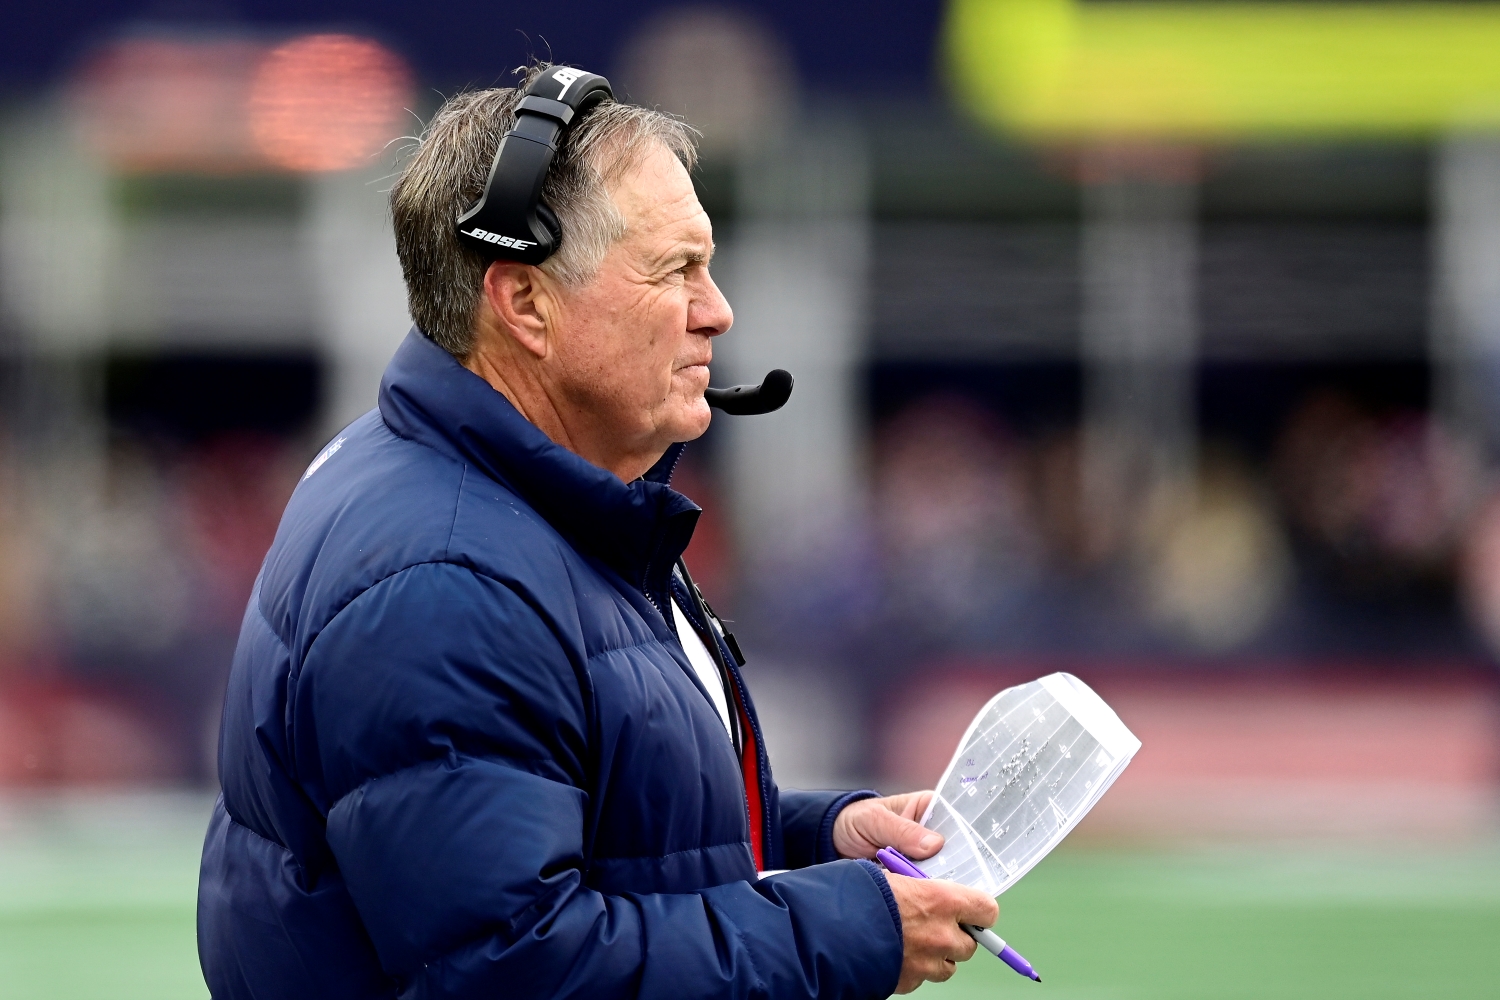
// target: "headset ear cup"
[[548, 219]]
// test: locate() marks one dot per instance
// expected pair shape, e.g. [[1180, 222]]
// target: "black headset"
[[511, 222]]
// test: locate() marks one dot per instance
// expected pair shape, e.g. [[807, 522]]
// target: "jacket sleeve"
[[443, 722], [807, 824]]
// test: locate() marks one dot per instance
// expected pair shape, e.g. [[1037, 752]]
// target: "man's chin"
[[690, 421]]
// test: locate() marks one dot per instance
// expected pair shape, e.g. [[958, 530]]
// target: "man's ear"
[[519, 297]]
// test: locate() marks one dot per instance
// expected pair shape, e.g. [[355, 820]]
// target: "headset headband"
[[510, 221]]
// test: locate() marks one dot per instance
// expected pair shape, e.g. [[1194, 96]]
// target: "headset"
[[511, 222]]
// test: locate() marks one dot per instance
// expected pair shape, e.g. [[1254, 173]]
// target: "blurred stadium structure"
[[1161, 344], [198, 283]]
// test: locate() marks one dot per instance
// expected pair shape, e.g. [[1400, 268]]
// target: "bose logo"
[[504, 241], [566, 77]]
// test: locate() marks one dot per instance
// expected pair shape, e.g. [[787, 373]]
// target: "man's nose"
[[710, 313]]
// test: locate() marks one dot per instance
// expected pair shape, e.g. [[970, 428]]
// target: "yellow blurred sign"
[[1064, 69]]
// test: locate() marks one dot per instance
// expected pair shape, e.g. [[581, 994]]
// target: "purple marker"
[[993, 943]]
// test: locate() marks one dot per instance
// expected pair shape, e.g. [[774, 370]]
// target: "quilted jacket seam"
[[443, 761], [260, 836], [481, 573], [269, 627], [672, 854], [445, 561], [458, 498], [653, 641]]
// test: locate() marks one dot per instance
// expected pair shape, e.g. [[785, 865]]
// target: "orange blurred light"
[[168, 103], [326, 102]]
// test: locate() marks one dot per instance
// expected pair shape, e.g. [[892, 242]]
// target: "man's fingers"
[[978, 909], [933, 941], [865, 827], [905, 835], [910, 804], [966, 947]]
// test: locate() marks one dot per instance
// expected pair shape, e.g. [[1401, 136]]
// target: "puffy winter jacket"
[[464, 754]]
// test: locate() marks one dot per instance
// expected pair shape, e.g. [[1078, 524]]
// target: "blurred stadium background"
[[1157, 342]]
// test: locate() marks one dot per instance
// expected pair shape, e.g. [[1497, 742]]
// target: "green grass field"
[[96, 903], [97, 896], [1249, 923]]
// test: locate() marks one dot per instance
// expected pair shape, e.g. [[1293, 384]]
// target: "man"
[[473, 743]]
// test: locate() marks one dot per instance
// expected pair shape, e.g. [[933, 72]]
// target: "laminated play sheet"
[[1031, 765]]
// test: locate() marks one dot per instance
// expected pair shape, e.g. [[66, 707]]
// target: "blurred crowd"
[[122, 587], [1363, 533]]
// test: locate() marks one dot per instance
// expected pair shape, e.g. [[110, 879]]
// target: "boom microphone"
[[746, 400]]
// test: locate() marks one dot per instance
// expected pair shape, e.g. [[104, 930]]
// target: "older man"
[[473, 743]]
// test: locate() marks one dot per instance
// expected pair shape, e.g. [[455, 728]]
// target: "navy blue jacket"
[[464, 755]]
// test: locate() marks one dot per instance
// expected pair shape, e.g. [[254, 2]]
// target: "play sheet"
[[1031, 765]]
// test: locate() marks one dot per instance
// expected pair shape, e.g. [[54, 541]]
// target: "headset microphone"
[[747, 400]]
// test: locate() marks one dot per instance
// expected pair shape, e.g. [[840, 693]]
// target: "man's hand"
[[931, 910], [932, 942], [864, 827]]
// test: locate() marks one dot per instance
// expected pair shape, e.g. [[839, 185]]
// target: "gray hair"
[[446, 171]]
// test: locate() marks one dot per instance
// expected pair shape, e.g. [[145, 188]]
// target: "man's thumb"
[[910, 838]]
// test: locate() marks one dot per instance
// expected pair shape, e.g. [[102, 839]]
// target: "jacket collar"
[[637, 529]]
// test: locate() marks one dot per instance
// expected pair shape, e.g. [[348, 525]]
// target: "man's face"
[[632, 347]]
